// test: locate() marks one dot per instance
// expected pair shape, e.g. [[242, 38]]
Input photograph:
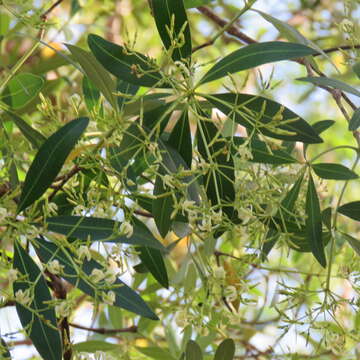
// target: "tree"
[[188, 173]]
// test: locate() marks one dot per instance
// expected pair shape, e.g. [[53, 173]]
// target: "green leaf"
[[226, 350], [125, 88], [219, 182], [313, 223], [193, 351], [75, 7], [49, 160], [254, 112], [356, 69], [95, 72], [156, 353], [98, 229], [21, 89], [253, 55], [326, 216], [333, 171], [180, 138], [91, 346], [332, 83], [154, 262], [263, 154], [351, 210], [322, 125], [196, 3], [127, 66], [38, 318], [4, 23], [354, 243], [171, 15], [33, 136], [355, 120], [286, 207], [126, 298], [162, 206], [299, 241], [4, 351], [91, 94]]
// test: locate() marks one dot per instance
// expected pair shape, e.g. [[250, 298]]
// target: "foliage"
[[209, 202]]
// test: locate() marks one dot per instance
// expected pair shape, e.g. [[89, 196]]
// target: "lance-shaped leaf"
[[355, 120], [126, 298], [299, 241], [354, 243], [284, 212], [262, 153], [173, 26], [220, 179], [98, 229], [256, 112], [4, 351], [333, 83], [253, 55], [180, 138], [131, 67], [351, 210], [33, 136], [125, 91], [154, 262], [21, 89], [313, 223], [91, 94], [226, 350], [322, 125], [38, 317], [333, 171], [49, 160], [95, 72], [193, 351], [196, 3]]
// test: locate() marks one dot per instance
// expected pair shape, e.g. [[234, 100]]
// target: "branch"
[[337, 48], [65, 178], [131, 329]]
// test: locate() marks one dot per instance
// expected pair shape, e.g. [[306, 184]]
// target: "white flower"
[[111, 275], [55, 267], [168, 180], [109, 297], [97, 275], [23, 297], [84, 252], [12, 275], [63, 309], [52, 207], [126, 229], [219, 273], [245, 153]]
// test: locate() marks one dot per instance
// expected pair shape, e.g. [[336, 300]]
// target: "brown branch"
[[45, 14], [143, 213], [65, 178], [131, 329], [337, 48]]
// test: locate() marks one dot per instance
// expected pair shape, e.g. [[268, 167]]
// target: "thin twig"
[[66, 177], [131, 329], [337, 48]]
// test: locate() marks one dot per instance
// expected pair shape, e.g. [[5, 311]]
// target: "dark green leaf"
[[167, 13], [313, 223], [21, 89], [356, 69], [162, 206], [355, 120], [128, 66], [180, 138], [264, 154], [254, 111], [351, 210], [91, 346], [4, 351], [254, 55], [193, 351], [299, 241], [99, 229], [226, 350], [91, 94], [354, 243], [126, 298], [333, 171], [49, 161], [196, 3], [38, 318], [32, 135], [75, 7], [326, 217], [219, 181], [95, 72], [322, 125], [154, 262], [125, 88], [332, 83]]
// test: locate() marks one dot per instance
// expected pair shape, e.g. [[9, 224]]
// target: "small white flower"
[[12, 275], [109, 297], [97, 275], [168, 180], [126, 229], [245, 153], [111, 275], [219, 273], [55, 267], [23, 297], [63, 309], [84, 252], [52, 207]]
